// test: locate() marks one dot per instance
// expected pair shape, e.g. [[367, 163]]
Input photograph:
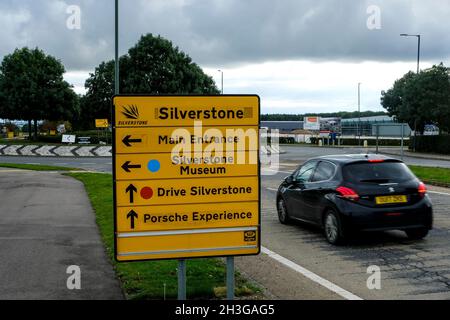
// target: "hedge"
[[286, 140], [432, 144]]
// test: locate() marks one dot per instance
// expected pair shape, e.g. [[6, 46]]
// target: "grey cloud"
[[231, 32]]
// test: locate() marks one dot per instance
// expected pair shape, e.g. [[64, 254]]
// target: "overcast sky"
[[298, 55]]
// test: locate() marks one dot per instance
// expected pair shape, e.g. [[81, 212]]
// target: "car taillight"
[[347, 193], [376, 160], [421, 189]]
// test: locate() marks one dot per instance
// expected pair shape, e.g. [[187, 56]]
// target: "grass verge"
[[155, 279], [432, 175], [37, 167]]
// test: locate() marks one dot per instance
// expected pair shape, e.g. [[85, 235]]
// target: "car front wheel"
[[283, 215]]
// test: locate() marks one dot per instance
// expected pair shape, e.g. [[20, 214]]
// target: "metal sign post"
[[181, 279], [230, 278]]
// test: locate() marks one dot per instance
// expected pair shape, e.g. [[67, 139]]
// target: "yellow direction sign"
[[101, 123], [186, 176]]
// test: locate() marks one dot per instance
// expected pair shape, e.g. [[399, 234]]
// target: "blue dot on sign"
[[153, 165]]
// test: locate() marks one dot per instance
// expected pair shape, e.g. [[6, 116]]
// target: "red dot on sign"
[[146, 192]]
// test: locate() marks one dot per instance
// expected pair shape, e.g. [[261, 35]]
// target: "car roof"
[[350, 158]]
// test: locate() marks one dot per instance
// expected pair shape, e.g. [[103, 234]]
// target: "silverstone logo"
[[131, 112]]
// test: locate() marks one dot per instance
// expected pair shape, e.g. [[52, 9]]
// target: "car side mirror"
[[289, 179]]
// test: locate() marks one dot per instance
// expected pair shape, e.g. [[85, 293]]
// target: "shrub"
[[434, 144], [286, 140]]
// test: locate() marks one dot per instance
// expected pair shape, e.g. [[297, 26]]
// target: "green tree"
[[32, 88], [96, 104], [419, 99], [152, 66]]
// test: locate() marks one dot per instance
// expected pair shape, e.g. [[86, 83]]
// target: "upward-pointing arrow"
[[131, 189], [132, 215]]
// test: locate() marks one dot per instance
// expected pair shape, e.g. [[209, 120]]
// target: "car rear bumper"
[[360, 218]]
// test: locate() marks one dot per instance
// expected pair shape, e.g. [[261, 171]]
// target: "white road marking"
[[267, 169], [88, 171], [311, 275], [437, 192], [271, 189]]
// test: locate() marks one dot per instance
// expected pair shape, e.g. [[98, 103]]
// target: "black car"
[[345, 194]]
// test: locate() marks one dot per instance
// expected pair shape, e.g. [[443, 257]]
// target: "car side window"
[[305, 172], [325, 171]]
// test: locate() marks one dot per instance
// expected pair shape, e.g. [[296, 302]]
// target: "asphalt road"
[[47, 225], [294, 154], [409, 269], [300, 153]]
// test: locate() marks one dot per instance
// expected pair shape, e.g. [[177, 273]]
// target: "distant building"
[[350, 126], [347, 127], [282, 126]]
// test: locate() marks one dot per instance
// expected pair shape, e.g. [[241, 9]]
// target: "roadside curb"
[[418, 156], [55, 151]]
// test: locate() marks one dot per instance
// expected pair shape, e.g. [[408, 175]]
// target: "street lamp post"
[[418, 47], [418, 69], [221, 72]]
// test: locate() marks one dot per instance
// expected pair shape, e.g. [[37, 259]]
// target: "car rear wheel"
[[283, 215], [416, 234], [332, 227]]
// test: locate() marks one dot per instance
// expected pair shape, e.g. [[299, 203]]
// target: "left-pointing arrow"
[[131, 189], [132, 215], [127, 166], [128, 141]]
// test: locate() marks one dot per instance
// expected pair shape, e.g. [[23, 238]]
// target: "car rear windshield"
[[378, 172]]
